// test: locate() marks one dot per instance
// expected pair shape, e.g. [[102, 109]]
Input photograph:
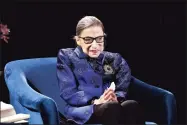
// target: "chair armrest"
[[29, 98], [159, 104]]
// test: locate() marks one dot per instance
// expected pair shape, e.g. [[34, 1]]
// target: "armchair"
[[33, 89]]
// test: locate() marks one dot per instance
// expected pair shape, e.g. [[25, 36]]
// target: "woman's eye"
[[100, 38], [88, 39]]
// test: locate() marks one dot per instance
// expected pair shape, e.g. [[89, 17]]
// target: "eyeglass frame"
[[93, 38]]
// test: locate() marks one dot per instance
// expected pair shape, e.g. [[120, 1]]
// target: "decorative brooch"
[[108, 69]]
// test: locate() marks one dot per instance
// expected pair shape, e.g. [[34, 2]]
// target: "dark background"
[[150, 36]]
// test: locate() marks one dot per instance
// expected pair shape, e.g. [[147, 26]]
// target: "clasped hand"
[[107, 96]]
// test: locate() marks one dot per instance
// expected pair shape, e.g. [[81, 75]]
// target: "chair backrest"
[[41, 76]]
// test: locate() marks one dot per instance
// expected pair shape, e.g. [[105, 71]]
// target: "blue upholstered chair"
[[33, 90]]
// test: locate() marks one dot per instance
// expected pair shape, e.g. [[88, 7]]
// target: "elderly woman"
[[85, 74]]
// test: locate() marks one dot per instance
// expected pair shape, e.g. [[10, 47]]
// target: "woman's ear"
[[77, 40]]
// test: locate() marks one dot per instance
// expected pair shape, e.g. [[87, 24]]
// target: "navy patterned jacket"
[[82, 79]]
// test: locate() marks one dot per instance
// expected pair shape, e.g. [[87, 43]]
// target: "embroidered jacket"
[[82, 79]]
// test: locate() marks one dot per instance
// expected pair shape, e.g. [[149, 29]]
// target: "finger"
[[113, 95], [113, 99], [110, 99], [108, 91], [105, 92], [109, 94], [107, 100]]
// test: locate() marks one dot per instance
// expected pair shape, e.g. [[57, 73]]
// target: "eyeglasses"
[[89, 40]]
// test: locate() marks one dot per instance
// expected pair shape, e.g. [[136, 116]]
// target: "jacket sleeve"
[[67, 82], [122, 77]]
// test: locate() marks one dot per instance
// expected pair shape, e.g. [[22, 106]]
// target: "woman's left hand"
[[110, 93]]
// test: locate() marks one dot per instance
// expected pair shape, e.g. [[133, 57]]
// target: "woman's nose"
[[94, 43]]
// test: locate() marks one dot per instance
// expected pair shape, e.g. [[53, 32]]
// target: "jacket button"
[[96, 86]]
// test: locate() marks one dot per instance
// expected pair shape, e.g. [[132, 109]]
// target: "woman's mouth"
[[94, 51]]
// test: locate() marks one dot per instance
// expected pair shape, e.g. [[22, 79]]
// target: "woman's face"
[[90, 46]]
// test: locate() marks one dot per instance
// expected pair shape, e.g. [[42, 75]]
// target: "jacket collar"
[[78, 50]]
